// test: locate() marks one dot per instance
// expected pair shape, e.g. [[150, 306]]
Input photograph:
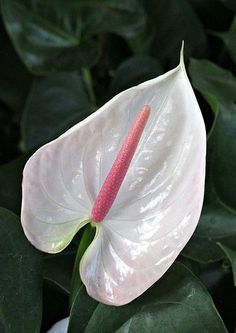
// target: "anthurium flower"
[[135, 170]]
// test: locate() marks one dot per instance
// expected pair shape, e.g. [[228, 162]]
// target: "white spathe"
[[60, 327], [158, 205]]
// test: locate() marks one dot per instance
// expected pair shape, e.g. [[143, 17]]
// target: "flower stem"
[[76, 282]]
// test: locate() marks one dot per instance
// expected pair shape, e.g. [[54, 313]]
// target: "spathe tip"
[[181, 60]]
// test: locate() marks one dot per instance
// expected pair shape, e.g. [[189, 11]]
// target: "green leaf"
[[86, 239], [140, 69], [229, 39], [202, 249], [212, 80], [172, 23], [207, 11], [9, 134], [178, 302], [21, 279], [54, 104], [47, 36], [55, 305], [58, 36], [231, 254], [10, 183], [124, 17], [231, 4], [58, 269], [14, 79], [218, 219], [82, 310]]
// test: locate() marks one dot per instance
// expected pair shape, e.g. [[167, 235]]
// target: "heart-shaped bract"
[[158, 204]]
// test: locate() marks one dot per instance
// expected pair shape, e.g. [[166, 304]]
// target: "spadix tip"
[[146, 109]]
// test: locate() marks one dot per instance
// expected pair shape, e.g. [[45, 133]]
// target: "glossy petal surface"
[[158, 205], [60, 327]]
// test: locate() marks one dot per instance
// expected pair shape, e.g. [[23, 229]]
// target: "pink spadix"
[[117, 173]]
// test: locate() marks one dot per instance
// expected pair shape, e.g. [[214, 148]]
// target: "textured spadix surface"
[[158, 205]]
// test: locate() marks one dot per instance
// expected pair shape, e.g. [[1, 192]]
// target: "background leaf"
[[50, 38], [140, 69], [14, 79], [231, 254], [10, 183], [126, 17], [55, 103], [173, 22], [21, 279], [218, 219], [47, 37], [229, 39], [58, 269], [176, 303], [212, 80], [229, 3]]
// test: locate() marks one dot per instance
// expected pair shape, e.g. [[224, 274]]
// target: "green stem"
[[89, 83], [86, 239]]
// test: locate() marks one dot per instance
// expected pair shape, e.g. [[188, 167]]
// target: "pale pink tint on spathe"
[[158, 204], [120, 167]]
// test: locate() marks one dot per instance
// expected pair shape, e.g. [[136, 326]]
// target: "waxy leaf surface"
[[166, 307], [158, 205], [21, 279], [54, 36], [54, 104], [166, 16], [218, 219]]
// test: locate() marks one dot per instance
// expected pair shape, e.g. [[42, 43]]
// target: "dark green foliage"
[[21, 279], [59, 61], [53, 105], [218, 220], [54, 36], [176, 303], [134, 71]]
